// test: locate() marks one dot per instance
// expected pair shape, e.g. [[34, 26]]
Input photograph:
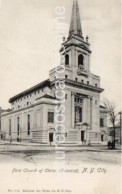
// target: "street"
[[72, 154], [42, 173]]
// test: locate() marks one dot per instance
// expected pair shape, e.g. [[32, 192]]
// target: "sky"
[[27, 43]]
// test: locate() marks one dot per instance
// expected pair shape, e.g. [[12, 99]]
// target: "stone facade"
[[33, 111]]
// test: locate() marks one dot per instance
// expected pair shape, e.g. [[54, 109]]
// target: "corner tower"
[[76, 52], [77, 49]]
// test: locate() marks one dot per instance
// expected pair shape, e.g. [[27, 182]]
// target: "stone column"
[[84, 110], [73, 107], [22, 126], [89, 119], [88, 110], [90, 99], [34, 120], [73, 57], [91, 107], [88, 136]]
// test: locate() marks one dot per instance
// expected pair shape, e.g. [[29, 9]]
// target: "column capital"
[[73, 93], [90, 97]]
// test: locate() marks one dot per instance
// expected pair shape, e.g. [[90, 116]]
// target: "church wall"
[[46, 109], [68, 111], [86, 107], [41, 132], [104, 129], [38, 123], [22, 114], [96, 113]]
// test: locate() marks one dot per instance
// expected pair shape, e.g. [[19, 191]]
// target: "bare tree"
[[112, 115]]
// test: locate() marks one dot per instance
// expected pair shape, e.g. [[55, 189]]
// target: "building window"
[[95, 102], [35, 93], [78, 114], [9, 126], [38, 91], [50, 117], [80, 60], [42, 90], [67, 59], [95, 85], [78, 101], [66, 76], [27, 103], [18, 126], [18, 106], [82, 81], [76, 79], [66, 134], [28, 123], [88, 82], [65, 96], [30, 95], [102, 137], [101, 122]]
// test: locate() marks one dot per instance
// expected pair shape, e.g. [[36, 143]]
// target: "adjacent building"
[[2, 111]]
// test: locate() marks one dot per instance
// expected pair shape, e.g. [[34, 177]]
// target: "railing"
[[82, 72]]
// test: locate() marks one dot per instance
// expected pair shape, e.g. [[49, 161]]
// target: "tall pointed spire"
[[75, 24]]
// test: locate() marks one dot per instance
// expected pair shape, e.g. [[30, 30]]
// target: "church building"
[[32, 115]]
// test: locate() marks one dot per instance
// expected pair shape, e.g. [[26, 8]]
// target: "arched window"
[[78, 114], [78, 109], [80, 60], [67, 59]]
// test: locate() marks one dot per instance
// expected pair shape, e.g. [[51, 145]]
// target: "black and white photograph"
[[60, 96]]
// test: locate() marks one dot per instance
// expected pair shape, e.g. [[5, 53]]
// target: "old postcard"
[[60, 97]]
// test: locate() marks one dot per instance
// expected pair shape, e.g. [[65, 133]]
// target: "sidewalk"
[[42, 144], [24, 146]]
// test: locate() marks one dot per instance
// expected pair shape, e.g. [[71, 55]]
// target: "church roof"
[[3, 110], [75, 24], [32, 89]]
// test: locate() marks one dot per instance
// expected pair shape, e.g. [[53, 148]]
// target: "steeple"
[[75, 24]]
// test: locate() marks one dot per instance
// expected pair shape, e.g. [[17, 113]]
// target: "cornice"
[[76, 45], [84, 86], [29, 107], [80, 85]]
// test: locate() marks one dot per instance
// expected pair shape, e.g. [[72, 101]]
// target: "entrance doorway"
[[50, 138], [82, 136], [102, 137]]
